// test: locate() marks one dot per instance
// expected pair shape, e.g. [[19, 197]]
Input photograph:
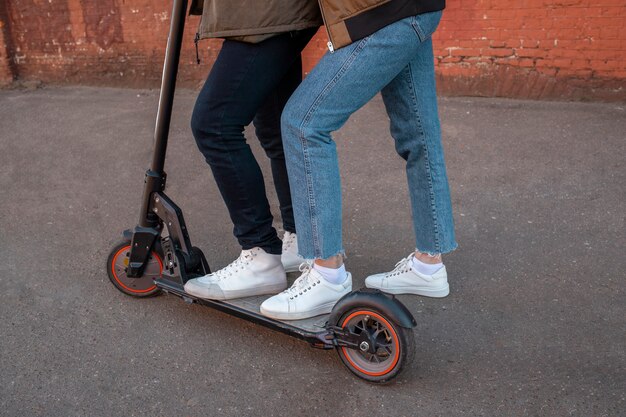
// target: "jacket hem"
[[207, 34], [369, 21]]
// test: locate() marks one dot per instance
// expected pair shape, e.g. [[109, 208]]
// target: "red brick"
[[500, 52], [450, 59], [531, 52], [465, 52]]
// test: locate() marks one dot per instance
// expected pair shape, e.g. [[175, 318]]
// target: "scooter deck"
[[312, 330], [253, 305]]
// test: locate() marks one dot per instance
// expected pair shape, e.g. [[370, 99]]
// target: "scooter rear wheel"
[[385, 348], [117, 266]]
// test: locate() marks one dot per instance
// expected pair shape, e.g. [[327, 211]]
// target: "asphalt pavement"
[[535, 324]]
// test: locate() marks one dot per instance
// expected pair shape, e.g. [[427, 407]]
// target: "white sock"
[[424, 268], [333, 275]]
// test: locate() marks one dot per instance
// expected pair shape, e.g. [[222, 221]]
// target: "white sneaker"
[[405, 280], [311, 295], [255, 272], [290, 258]]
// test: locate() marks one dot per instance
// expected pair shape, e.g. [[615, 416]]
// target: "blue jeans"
[[397, 61]]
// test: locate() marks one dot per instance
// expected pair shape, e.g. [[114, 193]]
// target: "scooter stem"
[[168, 84], [155, 177]]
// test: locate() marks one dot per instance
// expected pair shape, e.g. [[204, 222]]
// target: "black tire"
[[135, 287], [395, 346]]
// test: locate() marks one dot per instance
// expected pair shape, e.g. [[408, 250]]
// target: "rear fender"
[[366, 298]]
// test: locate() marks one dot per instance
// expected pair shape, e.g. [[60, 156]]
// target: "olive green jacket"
[[254, 20]]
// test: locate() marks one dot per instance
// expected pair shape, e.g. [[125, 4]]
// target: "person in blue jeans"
[[397, 61]]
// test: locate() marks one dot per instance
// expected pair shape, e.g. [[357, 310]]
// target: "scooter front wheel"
[[117, 267], [384, 350]]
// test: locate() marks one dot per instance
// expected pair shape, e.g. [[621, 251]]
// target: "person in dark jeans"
[[250, 82]]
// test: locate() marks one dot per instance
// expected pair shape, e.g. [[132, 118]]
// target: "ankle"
[[425, 268], [428, 258], [332, 275], [334, 262]]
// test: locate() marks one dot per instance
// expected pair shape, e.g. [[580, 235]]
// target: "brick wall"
[[562, 49], [534, 48]]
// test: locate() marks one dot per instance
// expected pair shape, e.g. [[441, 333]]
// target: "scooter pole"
[[155, 177], [146, 232], [168, 83]]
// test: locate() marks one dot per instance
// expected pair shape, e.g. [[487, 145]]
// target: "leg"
[[411, 102], [242, 78], [339, 85], [267, 125]]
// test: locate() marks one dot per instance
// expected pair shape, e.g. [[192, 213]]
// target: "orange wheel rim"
[[392, 331], [127, 248]]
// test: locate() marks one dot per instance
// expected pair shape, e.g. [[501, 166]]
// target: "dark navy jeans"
[[250, 83]]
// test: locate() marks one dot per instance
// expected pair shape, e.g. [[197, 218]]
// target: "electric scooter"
[[371, 331]]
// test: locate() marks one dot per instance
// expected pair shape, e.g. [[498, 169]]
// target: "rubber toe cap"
[[204, 290]]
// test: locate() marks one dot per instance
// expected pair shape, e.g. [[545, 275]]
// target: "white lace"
[[404, 265], [304, 282], [235, 266]]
